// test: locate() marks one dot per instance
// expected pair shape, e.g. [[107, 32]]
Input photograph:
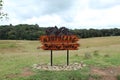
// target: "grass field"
[[18, 56]]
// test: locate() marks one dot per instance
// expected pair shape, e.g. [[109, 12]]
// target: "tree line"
[[33, 32]]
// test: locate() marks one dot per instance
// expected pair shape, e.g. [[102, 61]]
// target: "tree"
[[1, 3], [2, 14]]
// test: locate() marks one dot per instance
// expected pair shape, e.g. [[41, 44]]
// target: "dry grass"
[[18, 54]]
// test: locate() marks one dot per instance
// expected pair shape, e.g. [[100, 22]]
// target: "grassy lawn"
[[16, 55]]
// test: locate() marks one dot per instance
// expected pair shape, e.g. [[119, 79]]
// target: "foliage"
[[32, 32], [86, 33], [21, 32], [1, 3], [2, 13]]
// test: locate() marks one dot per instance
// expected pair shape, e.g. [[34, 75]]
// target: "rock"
[[74, 66], [38, 68], [34, 65]]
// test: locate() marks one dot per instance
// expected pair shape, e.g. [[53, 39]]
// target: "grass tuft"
[[96, 53], [87, 55], [118, 77]]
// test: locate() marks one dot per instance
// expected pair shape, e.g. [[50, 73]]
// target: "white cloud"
[[69, 13], [47, 20]]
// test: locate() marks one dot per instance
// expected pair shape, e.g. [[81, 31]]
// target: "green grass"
[[18, 54], [118, 77], [7, 45], [60, 75], [96, 77]]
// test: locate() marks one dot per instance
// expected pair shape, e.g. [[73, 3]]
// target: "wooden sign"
[[65, 42], [59, 39]]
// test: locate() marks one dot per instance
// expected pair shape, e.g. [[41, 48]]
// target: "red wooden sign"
[[65, 42]]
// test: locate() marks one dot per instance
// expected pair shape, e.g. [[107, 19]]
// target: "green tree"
[[1, 3], [2, 13]]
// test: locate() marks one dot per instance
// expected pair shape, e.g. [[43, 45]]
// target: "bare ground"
[[109, 73], [25, 72]]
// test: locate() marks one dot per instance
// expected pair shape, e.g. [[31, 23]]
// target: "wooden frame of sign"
[[65, 42]]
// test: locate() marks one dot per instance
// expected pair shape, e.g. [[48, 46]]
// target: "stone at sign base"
[[74, 66]]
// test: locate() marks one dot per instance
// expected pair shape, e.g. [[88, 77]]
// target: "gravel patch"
[[74, 66]]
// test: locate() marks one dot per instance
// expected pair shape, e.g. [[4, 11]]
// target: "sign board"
[[64, 42], [59, 39]]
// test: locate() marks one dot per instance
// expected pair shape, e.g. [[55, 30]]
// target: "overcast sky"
[[69, 13]]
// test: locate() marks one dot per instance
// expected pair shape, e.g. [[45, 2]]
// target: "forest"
[[33, 32]]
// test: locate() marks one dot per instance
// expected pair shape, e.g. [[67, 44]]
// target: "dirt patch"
[[10, 76], [25, 72], [109, 73]]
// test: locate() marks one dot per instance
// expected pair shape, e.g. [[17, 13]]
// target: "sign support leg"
[[67, 57], [51, 58]]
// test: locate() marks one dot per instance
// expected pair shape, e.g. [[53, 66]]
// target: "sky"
[[74, 14]]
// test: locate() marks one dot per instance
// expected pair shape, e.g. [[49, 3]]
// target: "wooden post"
[[67, 57], [51, 59]]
